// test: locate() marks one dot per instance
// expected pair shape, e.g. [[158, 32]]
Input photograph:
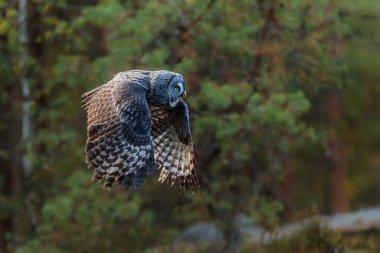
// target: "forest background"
[[284, 112]]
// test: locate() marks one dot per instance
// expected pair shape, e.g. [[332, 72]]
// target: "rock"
[[246, 227], [200, 233]]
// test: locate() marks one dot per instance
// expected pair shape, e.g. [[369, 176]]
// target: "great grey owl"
[[138, 122]]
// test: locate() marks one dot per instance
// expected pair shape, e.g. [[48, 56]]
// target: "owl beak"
[[173, 104]]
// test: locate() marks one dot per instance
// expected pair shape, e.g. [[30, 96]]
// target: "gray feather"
[[138, 122]]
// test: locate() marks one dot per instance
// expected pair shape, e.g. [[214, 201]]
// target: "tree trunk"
[[338, 198], [19, 138], [5, 183], [232, 236], [19, 224], [286, 195], [25, 89]]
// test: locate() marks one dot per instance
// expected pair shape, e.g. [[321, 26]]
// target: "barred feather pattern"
[[173, 146], [117, 154]]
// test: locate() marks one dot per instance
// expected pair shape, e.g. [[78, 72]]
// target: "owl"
[[139, 122]]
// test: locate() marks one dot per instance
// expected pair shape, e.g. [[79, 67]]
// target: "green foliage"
[[313, 238], [316, 238], [258, 73], [87, 211]]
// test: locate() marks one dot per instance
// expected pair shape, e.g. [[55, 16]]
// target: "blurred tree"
[[278, 122]]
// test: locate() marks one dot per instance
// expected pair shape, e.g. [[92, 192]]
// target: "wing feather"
[[119, 146], [173, 146]]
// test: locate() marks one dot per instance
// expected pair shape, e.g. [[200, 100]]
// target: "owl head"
[[166, 88]]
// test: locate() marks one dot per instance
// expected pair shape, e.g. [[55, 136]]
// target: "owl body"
[[139, 122]]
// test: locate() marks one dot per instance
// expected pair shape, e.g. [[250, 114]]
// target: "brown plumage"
[[175, 157], [132, 131]]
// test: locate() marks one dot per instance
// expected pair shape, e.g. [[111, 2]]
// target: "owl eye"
[[178, 87]]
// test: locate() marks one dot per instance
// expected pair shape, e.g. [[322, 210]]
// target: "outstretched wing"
[[173, 146], [119, 145]]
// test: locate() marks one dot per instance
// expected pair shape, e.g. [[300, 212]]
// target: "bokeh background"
[[284, 99]]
